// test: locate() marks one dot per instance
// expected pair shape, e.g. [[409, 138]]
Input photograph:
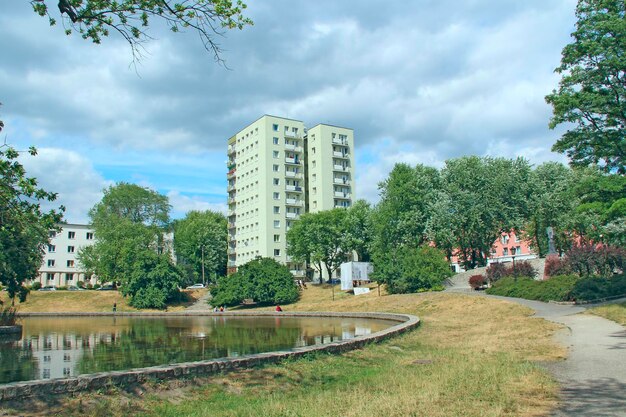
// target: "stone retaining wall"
[[201, 368]]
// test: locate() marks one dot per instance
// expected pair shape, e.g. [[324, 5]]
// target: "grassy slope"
[[481, 352], [615, 312], [86, 301]]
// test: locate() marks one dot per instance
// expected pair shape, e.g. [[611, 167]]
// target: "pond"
[[61, 347]]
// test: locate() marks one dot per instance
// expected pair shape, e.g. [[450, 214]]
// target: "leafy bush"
[[495, 271], [595, 288], [557, 288], [424, 268], [95, 286], [556, 266], [263, 280], [8, 316], [153, 282], [35, 286], [80, 284], [588, 259], [522, 269], [88, 286], [62, 288], [477, 281]]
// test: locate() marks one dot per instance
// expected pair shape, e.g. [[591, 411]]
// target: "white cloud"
[[71, 176], [182, 204]]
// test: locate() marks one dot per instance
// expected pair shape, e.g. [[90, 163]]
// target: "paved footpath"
[[593, 377], [202, 304]]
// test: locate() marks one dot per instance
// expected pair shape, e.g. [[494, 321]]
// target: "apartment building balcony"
[[293, 148], [341, 181], [291, 215], [292, 174], [230, 188], [231, 225], [294, 202], [231, 149], [337, 141], [231, 212], [231, 174], [341, 168], [231, 200], [232, 251], [292, 161], [294, 135], [293, 188], [342, 195], [343, 155], [232, 264]]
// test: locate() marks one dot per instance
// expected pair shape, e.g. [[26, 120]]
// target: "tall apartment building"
[[277, 170]]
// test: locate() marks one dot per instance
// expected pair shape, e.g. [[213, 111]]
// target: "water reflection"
[[70, 346]]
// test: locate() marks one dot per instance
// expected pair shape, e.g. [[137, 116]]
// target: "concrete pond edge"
[[97, 381]]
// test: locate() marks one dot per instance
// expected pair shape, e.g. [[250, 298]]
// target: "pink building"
[[505, 249]]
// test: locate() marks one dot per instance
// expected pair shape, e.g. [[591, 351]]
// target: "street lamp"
[[203, 280]]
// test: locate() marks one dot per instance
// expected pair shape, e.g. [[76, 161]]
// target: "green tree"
[[359, 231], [24, 227], [487, 196], [420, 269], [130, 223], [591, 98], [263, 280], [321, 239], [200, 241], [95, 19], [401, 216], [552, 204]]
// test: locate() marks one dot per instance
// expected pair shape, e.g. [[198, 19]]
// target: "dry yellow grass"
[[86, 301], [615, 312], [482, 352]]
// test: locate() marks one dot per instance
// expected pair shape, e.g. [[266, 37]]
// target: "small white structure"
[[354, 271]]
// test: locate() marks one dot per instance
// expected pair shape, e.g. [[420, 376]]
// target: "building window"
[[276, 238], [276, 196], [518, 250], [89, 236], [70, 249], [69, 276], [276, 210], [505, 251], [50, 262], [276, 224], [52, 248], [313, 151], [52, 233], [49, 276], [275, 154], [275, 128], [275, 168], [70, 263], [71, 235], [313, 164], [276, 252], [275, 141], [276, 181]]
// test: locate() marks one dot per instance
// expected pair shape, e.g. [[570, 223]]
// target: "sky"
[[419, 82]]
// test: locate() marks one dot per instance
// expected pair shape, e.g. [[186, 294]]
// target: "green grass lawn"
[[472, 356]]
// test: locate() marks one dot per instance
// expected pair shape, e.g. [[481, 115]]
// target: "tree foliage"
[[321, 239], [359, 231], [202, 235], [96, 19], [263, 280], [130, 223], [418, 269], [591, 98], [24, 226]]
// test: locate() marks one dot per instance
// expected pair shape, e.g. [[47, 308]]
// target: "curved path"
[[593, 377]]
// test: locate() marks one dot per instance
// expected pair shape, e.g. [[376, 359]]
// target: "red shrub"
[[496, 271], [522, 269], [477, 281], [588, 259], [556, 266]]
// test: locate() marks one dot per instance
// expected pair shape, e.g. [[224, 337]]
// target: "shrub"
[[96, 286], [62, 288], [421, 269], [521, 269], [8, 316], [557, 288], [495, 271], [80, 284], [35, 286], [556, 266], [587, 259], [88, 286], [477, 281], [595, 288], [263, 280]]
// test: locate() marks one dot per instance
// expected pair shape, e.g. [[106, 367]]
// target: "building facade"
[[60, 263], [277, 170]]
